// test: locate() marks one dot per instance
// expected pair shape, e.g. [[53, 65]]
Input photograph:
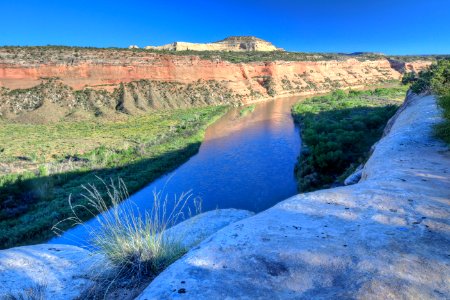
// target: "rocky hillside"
[[53, 100], [232, 43], [62, 81]]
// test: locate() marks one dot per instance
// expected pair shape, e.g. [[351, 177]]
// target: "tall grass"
[[135, 243]]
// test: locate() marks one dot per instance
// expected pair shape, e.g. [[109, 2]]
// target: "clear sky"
[[389, 26]]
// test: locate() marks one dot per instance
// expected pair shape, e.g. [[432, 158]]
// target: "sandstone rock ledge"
[[48, 271], [386, 237]]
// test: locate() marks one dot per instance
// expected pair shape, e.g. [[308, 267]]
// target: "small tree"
[[409, 77]]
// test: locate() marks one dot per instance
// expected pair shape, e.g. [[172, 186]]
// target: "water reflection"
[[245, 163]]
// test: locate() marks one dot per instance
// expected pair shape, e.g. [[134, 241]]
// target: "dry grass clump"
[[135, 243]]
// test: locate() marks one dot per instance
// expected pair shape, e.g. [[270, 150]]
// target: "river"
[[245, 162]]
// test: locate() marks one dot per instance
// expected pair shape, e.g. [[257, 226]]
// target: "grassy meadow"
[[42, 165]]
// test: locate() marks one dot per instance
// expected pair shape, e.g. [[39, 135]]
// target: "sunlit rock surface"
[[386, 237], [233, 43], [196, 229], [47, 271]]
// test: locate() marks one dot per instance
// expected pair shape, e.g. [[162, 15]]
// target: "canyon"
[[381, 238], [101, 81]]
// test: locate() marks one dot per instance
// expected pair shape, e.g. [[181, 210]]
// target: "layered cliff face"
[[413, 66], [108, 80]]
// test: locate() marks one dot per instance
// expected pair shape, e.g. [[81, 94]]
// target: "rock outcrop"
[[355, 177], [251, 80], [232, 43], [412, 66], [52, 100], [385, 237], [50, 271], [194, 230]]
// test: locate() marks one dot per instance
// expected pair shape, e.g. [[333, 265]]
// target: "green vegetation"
[[411, 58], [137, 244], [269, 85], [66, 155], [76, 54], [409, 78], [247, 110], [443, 129], [437, 80], [338, 131]]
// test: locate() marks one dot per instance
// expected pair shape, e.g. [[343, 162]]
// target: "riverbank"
[[240, 158], [338, 131], [385, 237], [45, 164]]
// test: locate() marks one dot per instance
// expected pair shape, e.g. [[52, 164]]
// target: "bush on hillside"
[[338, 131], [437, 80], [409, 77]]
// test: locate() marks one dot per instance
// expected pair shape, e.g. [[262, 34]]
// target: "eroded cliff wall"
[[143, 80]]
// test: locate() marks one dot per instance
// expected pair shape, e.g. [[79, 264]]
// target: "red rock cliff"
[[247, 82]]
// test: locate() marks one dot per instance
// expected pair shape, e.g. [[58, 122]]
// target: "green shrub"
[[409, 77], [437, 80], [443, 129], [338, 131], [247, 110], [269, 85]]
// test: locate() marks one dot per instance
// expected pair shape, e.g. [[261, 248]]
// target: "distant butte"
[[232, 43]]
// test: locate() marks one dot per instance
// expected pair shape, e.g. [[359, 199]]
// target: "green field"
[[42, 165], [338, 130]]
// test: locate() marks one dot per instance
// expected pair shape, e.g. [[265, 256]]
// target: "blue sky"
[[393, 27]]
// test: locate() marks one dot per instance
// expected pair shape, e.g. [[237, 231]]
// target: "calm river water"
[[244, 162]]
